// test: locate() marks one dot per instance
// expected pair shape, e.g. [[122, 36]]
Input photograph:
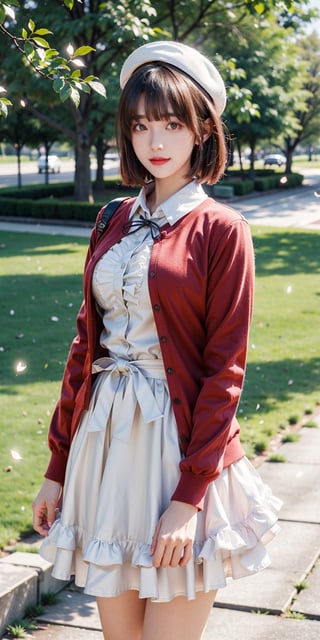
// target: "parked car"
[[54, 164], [275, 158]]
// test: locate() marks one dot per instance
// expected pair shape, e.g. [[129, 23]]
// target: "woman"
[[160, 504]]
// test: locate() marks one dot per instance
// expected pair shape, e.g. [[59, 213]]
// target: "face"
[[164, 147]]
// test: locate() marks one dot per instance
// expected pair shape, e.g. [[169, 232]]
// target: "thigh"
[[180, 619], [122, 617]]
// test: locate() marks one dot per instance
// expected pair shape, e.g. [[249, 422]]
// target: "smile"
[[158, 161]]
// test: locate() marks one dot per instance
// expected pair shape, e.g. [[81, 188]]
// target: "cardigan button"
[[163, 339], [169, 370], [176, 401], [156, 307], [152, 274]]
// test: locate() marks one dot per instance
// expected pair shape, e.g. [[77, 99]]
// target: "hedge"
[[36, 191], [278, 181], [46, 201]]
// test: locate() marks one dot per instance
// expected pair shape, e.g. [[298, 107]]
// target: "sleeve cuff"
[[191, 489], [57, 468]]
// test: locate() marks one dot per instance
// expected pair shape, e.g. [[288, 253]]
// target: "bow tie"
[[135, 225]]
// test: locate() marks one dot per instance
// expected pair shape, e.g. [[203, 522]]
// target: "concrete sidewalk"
[[280, 603]]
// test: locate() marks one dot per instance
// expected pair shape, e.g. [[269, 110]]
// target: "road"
[[291, 208], [298, 207], [30, 175]]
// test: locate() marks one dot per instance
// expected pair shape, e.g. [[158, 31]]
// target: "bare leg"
[[122, 617], [180, 619]]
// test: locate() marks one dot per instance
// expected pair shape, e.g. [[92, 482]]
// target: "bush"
[[36, 191], [45, 201], [266, 183], [241, 187]]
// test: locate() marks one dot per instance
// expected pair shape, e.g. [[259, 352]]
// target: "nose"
[[156, 141]]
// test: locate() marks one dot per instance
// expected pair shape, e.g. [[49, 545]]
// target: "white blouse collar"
[[175, 207]]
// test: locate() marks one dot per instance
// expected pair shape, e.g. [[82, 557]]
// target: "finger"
[[51, 514], [187, 555], [168, 549], [155, 539], [177, 555], [158, 553], [40, 522]]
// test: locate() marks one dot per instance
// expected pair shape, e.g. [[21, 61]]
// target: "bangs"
[[169, 92], [164, 95]]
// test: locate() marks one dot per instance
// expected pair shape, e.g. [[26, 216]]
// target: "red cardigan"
[[201, 276]]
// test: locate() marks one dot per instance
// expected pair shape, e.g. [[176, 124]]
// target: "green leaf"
[[259, 7], [58, 84], [28, 48], [84, 87], [83, 51], [98, 87], [4, 103], [12, 3], [41, 42], [59, 63], [65, 92], [51, 53], [31, 25], [43, 32], [75, 96], [24, 33], [76, 74], [2, 15], [69, 4]]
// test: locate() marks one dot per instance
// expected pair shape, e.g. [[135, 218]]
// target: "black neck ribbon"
[[133, 226]]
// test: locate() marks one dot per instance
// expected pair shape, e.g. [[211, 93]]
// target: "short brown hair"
[[164, 86]]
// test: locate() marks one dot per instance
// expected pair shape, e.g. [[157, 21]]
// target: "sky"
[[315, 24]]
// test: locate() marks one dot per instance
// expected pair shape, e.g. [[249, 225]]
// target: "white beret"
[[183, 57]]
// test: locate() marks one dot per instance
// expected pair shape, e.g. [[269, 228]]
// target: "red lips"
[[158, 161]]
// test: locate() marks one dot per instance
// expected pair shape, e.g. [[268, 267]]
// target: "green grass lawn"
[[40, 295]]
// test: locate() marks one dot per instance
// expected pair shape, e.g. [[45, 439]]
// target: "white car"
[[275, 158], [54, 164]]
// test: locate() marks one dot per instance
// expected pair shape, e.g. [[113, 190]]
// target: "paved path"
[[281, 603]]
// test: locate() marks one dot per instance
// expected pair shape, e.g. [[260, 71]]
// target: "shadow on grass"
[[287, 252], [37, 324], [34, 244], [272, 383], [45, 308]]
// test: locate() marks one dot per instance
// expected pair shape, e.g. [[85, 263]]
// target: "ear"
[[207, 128]]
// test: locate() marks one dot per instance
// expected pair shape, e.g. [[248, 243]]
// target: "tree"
[[46, 61], [110, 29], [106, 32], [251, 43], [272, 74], [18, 129], [307, 115]]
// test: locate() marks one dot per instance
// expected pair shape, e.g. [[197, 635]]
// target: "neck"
[[162, 190]]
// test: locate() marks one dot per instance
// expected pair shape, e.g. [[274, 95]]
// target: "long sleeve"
[[229, 309]]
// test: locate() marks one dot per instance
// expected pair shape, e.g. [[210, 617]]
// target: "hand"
[[44, 506], [173, 538]]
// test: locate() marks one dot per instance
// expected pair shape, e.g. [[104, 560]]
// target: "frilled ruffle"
[[233, 551]]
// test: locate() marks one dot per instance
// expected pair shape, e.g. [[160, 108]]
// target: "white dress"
[[123, 465]]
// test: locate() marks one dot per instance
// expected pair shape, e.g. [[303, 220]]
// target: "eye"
[[138, 126], [174, 125]]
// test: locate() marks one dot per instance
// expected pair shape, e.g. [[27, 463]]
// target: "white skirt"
[[120, 477]]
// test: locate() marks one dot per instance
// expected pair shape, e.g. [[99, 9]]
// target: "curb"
[[24, 579]]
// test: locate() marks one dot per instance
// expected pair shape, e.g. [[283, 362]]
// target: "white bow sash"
[[126, 385]]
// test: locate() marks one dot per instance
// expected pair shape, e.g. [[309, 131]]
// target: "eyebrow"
[[144, 116]]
